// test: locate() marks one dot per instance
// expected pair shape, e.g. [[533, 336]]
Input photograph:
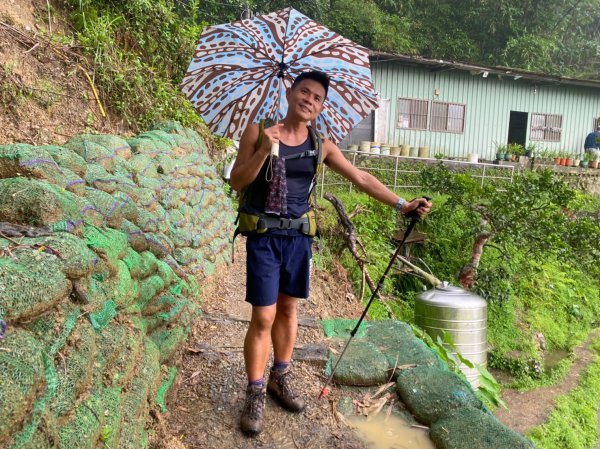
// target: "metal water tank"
[[463, 315]]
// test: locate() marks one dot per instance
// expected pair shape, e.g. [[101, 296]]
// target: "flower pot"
[[568, 162], [594, 164], [563, 161], [507, 157], [557, 160], [499, 156], [576, 163], [584, 164]]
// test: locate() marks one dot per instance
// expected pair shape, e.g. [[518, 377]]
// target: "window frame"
[[411, 115], [544, 128], [447, 117]]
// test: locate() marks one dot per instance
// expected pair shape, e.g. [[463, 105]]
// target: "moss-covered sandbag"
[[362, 365], [431, 393], [30, 286], [37, 203], [471, 428], [22, 368]]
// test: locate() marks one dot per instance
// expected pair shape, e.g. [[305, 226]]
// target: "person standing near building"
[[592, 141], [278, 258]]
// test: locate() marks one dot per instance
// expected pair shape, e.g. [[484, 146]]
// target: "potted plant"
[[515, 150], [589, 159], [568, 160], [500, 152], [577, 159], [593, 161], [530, 149]]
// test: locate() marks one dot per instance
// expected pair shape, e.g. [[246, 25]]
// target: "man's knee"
[[262, 318]]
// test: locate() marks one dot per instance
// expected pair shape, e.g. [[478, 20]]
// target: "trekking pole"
[[414, 219]]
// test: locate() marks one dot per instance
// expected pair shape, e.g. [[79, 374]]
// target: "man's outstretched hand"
[[419, 207]]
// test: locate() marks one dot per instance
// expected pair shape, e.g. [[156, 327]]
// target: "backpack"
[[249, 222]]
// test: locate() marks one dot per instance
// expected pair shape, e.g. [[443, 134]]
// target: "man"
[[592, 141], [278, 261]]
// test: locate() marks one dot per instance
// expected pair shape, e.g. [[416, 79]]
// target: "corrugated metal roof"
[[437, 65]]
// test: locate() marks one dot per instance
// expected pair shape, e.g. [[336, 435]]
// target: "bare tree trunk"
[[351, 238], [467, 273]]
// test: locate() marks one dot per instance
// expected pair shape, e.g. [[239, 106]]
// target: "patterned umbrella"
[[240, 70]]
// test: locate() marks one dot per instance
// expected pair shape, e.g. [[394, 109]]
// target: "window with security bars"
[[449, 117], [546, 127], [412, 114]]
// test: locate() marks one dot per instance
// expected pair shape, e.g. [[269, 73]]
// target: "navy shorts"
[[274, 264]]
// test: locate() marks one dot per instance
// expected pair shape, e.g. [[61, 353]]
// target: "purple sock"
[[280, 365], [258, 382]]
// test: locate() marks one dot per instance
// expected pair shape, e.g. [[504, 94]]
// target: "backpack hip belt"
[[260, 223]]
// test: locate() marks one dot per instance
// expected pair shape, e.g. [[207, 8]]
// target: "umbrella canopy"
[[240, 70]]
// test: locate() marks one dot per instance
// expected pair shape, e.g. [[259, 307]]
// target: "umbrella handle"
[[275, 149]]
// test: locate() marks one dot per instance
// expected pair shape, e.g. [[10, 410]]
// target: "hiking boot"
[[252, 414], [280, 387]]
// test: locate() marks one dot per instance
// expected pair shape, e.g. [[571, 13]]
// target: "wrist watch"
[[399, 204]]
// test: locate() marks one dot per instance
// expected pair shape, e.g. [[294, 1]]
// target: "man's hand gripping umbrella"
[[414, 216]]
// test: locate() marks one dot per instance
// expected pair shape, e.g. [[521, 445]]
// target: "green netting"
[[83, 430], [109, 243], [70, 181], [69, 252], [164, 164], [114, 144], [127, 205], [430, 393], [341, 328], [30, 286], [133, 260], [147, 146], [24, 437], [37, 203], [159, 244], [123, 167], [92, 152], [66, 158], [76, 369], [168, 341], [112, 403], [175, 129], [397, 341], [161, 136], [147, 221], [135, 236], [148, 265], [101, 318], [362, 365], [107, 206], [149, 183], [474, 429], [22, 369], [119, 287], [187, 256], [26, 160], [119, 350], [149, 287], [143, 165], [164, 388], [135, 404], [165, 272]]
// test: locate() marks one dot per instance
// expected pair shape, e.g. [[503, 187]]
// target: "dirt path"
[[206, 400], [532, 408]]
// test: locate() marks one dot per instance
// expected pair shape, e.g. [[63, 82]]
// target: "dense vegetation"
[[140, 49], [538, 272]]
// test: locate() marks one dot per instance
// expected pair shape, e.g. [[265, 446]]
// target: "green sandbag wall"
[[102, 244]]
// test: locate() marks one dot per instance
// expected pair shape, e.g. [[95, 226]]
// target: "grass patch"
[[574, 422]]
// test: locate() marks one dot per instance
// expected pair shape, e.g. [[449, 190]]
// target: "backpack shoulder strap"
[[317, 142]]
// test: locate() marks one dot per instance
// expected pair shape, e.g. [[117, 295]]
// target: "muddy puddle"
[[390, 433]]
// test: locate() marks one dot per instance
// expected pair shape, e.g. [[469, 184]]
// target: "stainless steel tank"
[[463, 315]]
